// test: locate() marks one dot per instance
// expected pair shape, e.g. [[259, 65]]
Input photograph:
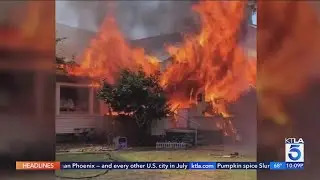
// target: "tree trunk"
[[143, 134]]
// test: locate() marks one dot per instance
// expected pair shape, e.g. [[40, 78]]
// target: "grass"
[[183, 155]]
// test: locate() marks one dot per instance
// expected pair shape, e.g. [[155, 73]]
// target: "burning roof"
[[155, 45], [78, 39], [213, 57]]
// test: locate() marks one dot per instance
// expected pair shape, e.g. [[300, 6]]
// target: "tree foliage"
[[136, 95]]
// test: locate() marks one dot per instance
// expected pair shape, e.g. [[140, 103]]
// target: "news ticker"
[[24, 165]]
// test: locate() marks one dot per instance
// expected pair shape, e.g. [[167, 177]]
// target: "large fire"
[[211, 62], [109, 53]]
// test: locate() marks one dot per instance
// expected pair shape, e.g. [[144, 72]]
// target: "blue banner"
[[286, 166], [277, 165], [124, 165], [242, 165], [294, 166], [202, 165], [182, 165]]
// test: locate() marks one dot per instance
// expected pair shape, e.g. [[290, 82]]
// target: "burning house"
[[199, 70], [76, 103]]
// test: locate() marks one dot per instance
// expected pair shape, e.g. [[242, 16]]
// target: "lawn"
[[183, 155]]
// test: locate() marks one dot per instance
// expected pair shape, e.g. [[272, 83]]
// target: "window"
[[74, 99]]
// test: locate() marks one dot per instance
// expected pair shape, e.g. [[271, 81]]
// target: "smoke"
[[137, 19]]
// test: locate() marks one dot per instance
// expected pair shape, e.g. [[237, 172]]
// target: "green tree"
[[137, 96]]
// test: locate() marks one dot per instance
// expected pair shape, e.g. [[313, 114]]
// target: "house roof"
[[78, 39], [72, 79], [158, 41], [155, 45]]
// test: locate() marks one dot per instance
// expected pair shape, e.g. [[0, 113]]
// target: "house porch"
[[76, 107]]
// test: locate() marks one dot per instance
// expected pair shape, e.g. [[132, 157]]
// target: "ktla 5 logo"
[[294, 150]]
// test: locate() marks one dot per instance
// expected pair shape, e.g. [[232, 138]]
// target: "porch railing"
[[171, 145]]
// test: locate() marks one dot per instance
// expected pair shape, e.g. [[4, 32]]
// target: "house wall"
[[67, 123], [158, 127], [182, 118], [204, 123]]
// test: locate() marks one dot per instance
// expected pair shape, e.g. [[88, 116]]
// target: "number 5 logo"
[[294, 153]]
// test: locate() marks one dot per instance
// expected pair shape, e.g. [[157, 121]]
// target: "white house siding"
[[182, 118], [204, 123], [67, 123], [159, 127]]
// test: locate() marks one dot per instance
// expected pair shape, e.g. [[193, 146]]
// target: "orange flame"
[[109, 53], [212, 61]]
